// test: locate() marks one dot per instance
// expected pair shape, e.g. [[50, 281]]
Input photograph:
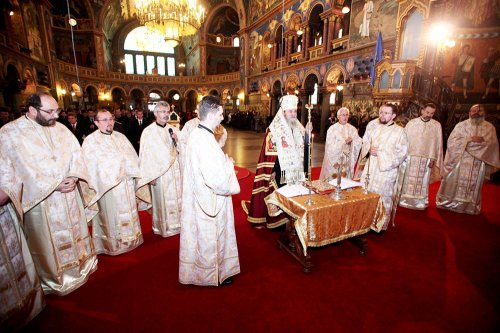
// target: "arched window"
[[316, 26], [314, 96], [154, 96], [280, 52], [333, 95], [411, 36], [406, 83], [396, 80], [146, 52], [236, 42], [384, 80]]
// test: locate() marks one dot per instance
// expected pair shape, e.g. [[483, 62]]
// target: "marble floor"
[[244, 147]]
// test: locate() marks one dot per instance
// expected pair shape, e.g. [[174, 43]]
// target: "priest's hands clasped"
[[67, 185]]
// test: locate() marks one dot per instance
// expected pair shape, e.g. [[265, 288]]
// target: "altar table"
[[326, 221]]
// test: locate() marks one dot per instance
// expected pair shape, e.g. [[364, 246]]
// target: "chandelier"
[[172, 18]]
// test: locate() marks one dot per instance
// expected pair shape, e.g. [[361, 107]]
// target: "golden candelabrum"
[[309, 201]]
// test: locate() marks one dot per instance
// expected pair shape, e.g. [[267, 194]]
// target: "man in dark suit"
[[91, 126], [4, 116], [137, 125], [76, 127], [121, 122]]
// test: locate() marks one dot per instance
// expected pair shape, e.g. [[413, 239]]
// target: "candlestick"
[[309, 201], [367, 178], [337, 195]]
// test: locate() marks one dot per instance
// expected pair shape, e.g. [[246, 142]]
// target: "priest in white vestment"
[[220, 132], [471, 156], [387, 146], [188, 127], [53, 180], [20, 292], [160, 165], [208, 251], [342, 146], [425, 159], [113, 168]]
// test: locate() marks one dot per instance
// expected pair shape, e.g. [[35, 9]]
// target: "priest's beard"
[[477, 120], [292, 122], [44, 122]]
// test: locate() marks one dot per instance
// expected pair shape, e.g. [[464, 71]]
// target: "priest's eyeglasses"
[[51, 112], [107, 120]]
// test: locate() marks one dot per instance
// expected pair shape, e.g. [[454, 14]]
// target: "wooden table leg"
[[291, 244], [360, 242]]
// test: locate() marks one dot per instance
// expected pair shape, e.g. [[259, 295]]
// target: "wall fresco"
[[369, 17]]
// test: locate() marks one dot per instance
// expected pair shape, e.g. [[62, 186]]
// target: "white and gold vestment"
[[208, 251], [336, 150], [113, 169], [21, 296], [466, 165], [55, 223], [384, 169], [159, 161], [425, 145]]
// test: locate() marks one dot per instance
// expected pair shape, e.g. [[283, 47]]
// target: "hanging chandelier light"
[[172, 18]]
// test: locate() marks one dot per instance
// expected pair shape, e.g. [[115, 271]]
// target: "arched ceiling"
[[78, 8], [111, 15], [225, 22]]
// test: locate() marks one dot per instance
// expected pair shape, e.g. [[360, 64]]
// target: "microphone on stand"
[[171, 135]]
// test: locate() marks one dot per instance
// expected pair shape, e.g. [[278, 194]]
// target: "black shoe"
[[227, 282]]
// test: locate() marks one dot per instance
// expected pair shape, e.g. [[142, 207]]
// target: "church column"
[[273, 51], [99, 56], [337, 26], [203, 59], [289, 45], [326, 36], [45, 30], [305, 43], [325, 113], [235, 107], [245, 53], [331, 34], [304, 99], [184, 104], [274, 105]]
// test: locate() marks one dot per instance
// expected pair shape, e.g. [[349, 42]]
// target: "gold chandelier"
[[172, 18]]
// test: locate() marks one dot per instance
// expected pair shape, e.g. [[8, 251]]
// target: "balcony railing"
[[91, 73]]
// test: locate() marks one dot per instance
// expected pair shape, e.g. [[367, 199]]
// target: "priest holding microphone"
[[160, 164]]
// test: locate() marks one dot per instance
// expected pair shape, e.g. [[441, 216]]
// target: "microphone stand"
[[309, 201]]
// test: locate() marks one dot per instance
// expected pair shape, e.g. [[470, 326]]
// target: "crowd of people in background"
[[130, 122]]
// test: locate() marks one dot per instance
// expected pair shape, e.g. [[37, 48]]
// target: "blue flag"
[[377, 56]]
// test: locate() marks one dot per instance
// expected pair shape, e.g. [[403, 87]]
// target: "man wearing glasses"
[[51, 183], [113, 168], [161, 171]]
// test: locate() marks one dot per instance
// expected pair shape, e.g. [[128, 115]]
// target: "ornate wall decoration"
[[369, 17], [257, 8], [255, 52], [33, 28]]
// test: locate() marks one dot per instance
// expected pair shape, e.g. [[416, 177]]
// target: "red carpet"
[[436, 271]]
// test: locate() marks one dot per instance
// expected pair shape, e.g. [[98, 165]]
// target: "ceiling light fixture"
[[172, 18]]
